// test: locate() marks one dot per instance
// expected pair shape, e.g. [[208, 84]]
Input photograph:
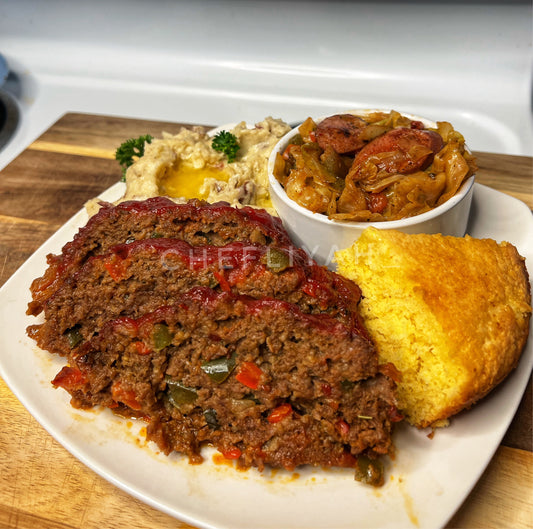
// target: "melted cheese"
[[186, 181]]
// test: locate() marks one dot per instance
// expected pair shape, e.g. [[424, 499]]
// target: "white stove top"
[[215, 62]]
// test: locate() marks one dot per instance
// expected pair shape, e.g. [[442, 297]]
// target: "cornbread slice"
[[451, 313]]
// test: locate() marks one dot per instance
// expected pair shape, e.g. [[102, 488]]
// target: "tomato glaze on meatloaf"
[[132, 279], [197, 222], [258, 379]]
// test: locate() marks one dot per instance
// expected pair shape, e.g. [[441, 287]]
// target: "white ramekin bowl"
[[322, 237]]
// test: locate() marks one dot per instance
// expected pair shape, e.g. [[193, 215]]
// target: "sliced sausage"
[[399, 143], [341, 132]]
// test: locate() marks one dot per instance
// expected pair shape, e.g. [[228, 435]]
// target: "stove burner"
[[9, 117]]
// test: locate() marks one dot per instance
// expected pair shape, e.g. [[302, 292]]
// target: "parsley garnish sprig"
[[131, 150], [226, 143]]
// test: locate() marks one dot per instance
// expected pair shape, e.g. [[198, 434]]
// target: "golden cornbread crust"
[[451, 313]]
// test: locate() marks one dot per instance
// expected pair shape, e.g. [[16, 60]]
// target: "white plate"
[[427, 481]]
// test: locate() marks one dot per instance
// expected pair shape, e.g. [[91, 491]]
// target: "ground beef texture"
[[132, 279], [196, 222], [259, 379]]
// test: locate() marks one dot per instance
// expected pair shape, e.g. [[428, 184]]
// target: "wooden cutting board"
[[41, 484]]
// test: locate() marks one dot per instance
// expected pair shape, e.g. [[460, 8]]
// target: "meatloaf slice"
[[259, 380], [196, 222], [132, 279]]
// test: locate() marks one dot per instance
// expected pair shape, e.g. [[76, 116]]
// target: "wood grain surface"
[[41, 484]]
